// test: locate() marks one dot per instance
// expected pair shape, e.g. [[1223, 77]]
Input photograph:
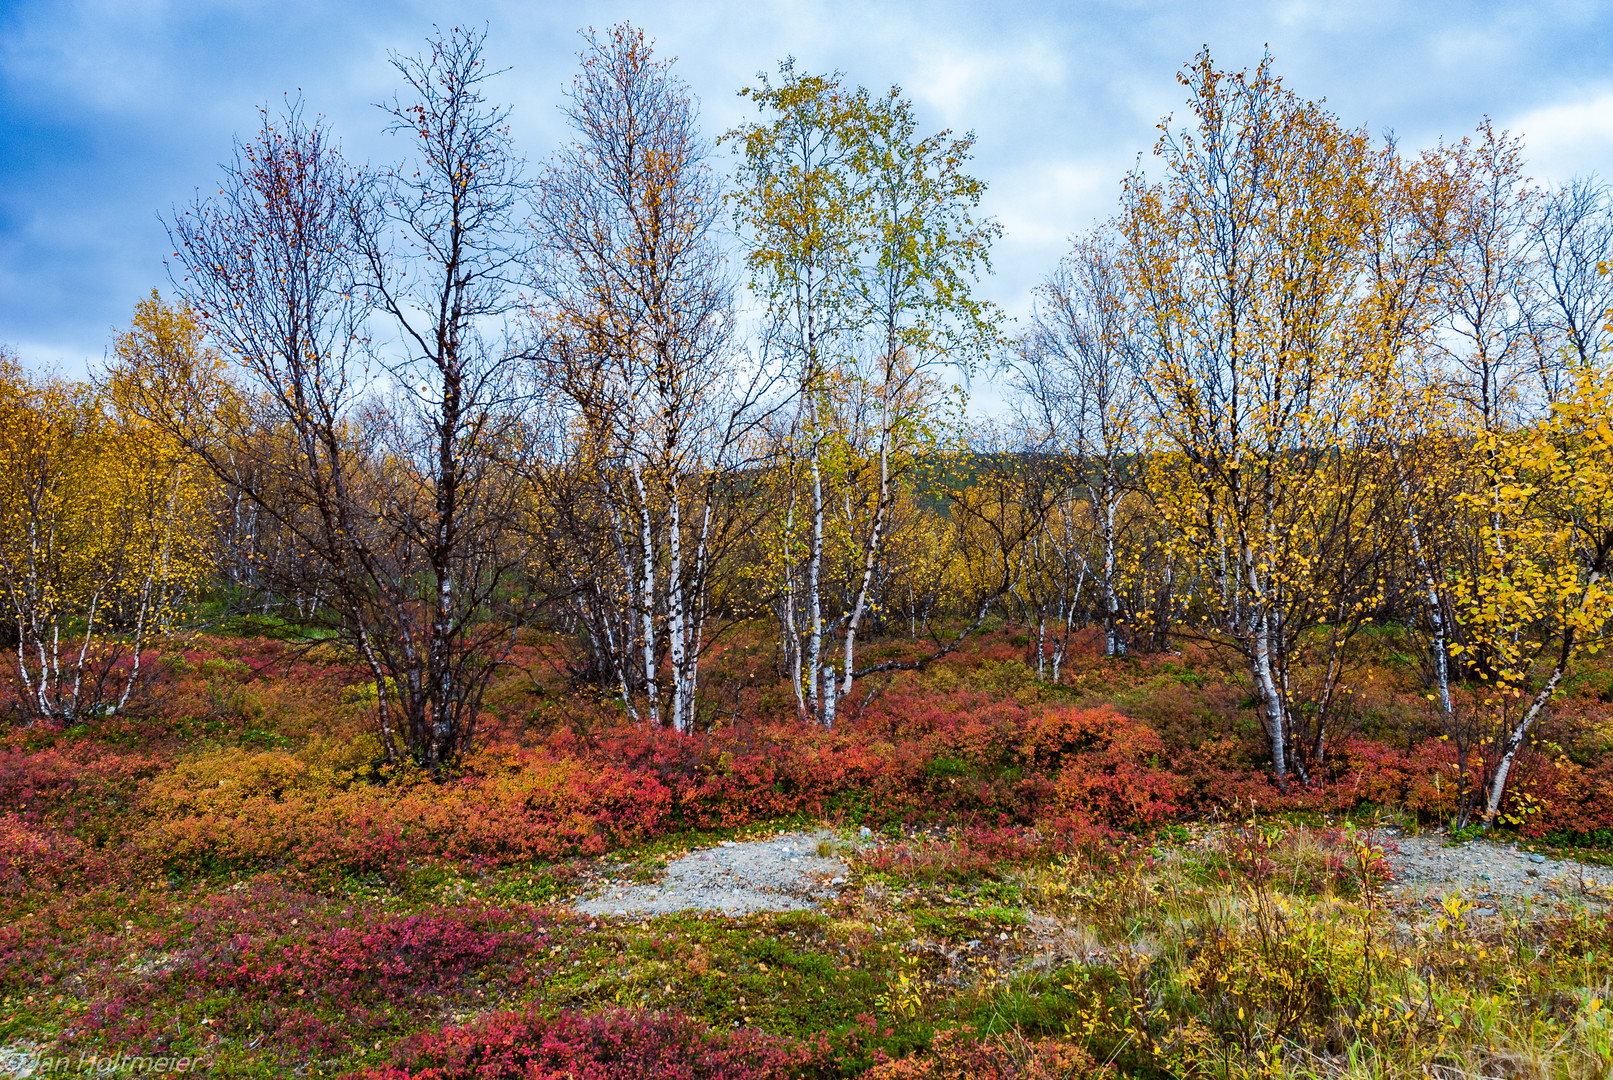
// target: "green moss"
[[954, 926], [795, 974]]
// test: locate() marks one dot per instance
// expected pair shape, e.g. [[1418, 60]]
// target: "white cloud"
[[46, 357], [116, 108], [953, 77], [1569, 138]]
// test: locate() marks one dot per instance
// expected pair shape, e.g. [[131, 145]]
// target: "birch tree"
[[795, 204], [1572, 234], [443, 253], [1246, 262], [1545, 597], [637, 321], [923, 251], [388, 461], [1491, 296], [862, 237], [1078, 368], [103, 520]]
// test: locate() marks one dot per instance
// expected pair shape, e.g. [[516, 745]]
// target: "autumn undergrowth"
[[1082, 880]]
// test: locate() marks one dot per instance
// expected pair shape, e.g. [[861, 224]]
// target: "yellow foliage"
[[103, 535]]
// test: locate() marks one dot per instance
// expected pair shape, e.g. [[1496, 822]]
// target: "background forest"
[[455, 522]]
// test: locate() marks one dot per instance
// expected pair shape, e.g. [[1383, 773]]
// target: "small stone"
[[865, 831], [837, 880], [621, 911]]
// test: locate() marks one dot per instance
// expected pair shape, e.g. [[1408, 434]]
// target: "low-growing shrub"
[[958, 1054], [239, 809], [1315, 862], [36, 857], [616, 1045], [400, 954], [987, 852]]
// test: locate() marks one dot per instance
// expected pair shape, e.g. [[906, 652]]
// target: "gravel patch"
[[1425, 867], [784, 873], [20, 1061]]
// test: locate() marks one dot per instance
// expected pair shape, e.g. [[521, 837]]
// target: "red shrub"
[[36, 857], [414, 951], [620, 1045], [1110, 767], [80, 772], [1423, 780], [1560, 797], [923, 754], [974, 741]]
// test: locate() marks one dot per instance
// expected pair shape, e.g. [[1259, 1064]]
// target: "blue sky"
[[111, 112]]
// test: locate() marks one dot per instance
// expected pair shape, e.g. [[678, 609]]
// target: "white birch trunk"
[[1514, 743], [697, 614], [1111, 603], [647, 598], [829, 697], [675, 616], [792, 630], [1436, 615], [815, 693], [1270, 696], [876, 537]]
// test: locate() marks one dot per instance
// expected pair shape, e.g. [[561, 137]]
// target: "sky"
[[112, 113]]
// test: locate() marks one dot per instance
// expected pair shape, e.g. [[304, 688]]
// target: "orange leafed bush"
[[1109, 767], [239, 809]]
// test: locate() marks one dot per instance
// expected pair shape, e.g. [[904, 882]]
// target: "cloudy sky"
[[111, 112]]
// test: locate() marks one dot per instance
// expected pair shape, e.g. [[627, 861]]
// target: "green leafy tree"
[[795, 203], [863, 240]]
